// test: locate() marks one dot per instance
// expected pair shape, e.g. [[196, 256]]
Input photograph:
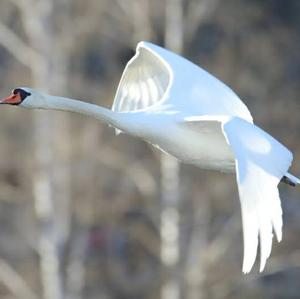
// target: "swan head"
[[25, 97]]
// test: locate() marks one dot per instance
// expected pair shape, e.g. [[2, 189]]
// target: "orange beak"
[[13, 99]]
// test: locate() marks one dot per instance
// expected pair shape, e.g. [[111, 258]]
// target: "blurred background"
[[86, 214]]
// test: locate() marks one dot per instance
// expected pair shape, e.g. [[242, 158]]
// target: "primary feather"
[[261, 162]]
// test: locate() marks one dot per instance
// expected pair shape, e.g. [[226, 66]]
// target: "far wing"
[[143, 83], [261, 162]]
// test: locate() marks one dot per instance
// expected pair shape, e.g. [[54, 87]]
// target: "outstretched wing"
[[261, 162], [143, 83]]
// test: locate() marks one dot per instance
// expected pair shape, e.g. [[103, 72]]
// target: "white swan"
[[186, 112]]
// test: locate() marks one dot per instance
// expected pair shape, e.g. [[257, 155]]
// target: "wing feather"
[[143, 83], [261, 162]]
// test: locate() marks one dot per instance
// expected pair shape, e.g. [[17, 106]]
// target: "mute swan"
[[186, 112]]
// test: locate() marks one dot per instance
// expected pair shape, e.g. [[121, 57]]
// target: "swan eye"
[[23, 93]]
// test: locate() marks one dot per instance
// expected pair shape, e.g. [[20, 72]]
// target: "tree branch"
[[23, 4], [219, 245], [16, 47], [14, 282], [197, 13], [139, 175]]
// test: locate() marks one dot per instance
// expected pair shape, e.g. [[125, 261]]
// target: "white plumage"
[[186, 112]]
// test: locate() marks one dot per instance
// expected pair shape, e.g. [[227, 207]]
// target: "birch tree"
[[48, 66]]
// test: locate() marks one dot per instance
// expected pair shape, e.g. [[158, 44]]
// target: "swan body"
[[183, 110]]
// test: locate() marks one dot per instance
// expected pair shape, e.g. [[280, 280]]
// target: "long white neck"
[[116, 119]]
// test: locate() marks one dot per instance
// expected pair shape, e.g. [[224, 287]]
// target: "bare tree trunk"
[[51, 177], [170, 217], [36, 56], [195, 267], [75, 271]]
